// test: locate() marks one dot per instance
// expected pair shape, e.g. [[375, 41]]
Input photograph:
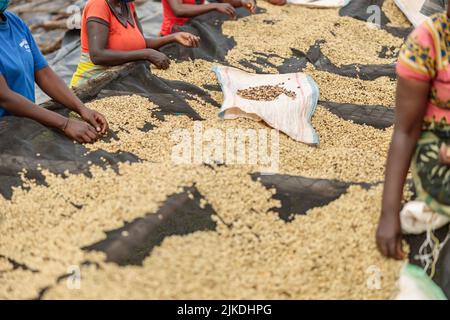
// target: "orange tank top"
[[121, 37]]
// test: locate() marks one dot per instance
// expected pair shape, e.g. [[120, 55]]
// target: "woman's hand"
[[389, 236], [187, 39], [160, 60], [226, 8], [80, 131], [250, 5], [444, 154], [95, 119]]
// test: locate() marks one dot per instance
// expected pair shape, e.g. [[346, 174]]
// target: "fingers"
[[382, 247], [163, 64], [90, 135], [400, 254], [251, 6], [194, 41], [95, 123], [395, 249], [381, 244], [104, 127], [231, 11], [391, 248], [87, 138], [92, 131], [166, 64]]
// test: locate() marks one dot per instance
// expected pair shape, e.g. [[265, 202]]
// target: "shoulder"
[[97, 9], [432, 29], [15, 20], [97, 5]]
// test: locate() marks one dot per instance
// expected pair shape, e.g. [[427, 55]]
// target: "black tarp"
[[366, 9], [181, 214], [298, 194]]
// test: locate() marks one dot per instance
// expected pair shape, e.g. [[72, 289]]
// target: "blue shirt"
[[20, 57]]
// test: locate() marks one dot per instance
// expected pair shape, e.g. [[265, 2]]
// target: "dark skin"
[[98, 33], [181, 9], [87, 131], [411, 102]]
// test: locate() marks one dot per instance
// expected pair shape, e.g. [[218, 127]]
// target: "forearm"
[[110, 58], [22, 107], [398, 162], [156, 43], [56, 89], [234, 3], [192, 10]]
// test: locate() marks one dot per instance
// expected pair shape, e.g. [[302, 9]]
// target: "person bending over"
[[111, 35], [422, 129], [178, 12], [21, 66]]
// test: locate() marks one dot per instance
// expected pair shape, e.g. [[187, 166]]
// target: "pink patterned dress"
[[426, 57]]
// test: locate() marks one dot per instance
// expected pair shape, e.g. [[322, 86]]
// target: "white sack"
[[411, 9], [417, 218], [293, 117]]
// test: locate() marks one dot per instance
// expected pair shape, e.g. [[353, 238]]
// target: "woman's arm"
[[411, 102], [184, 38], [56, 89], [250, 5], [22, 107], [181, 9], [98, 34]]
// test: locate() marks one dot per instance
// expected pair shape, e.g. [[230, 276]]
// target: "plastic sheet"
[[365, 9], [299, 194], [181, 214]]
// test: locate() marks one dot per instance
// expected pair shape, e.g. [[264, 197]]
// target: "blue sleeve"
[[39, 60]]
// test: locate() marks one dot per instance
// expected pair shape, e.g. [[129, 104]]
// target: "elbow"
[[178, 12], [5, 98], [96, 58]]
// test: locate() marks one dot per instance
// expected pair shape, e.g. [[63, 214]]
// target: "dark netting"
[[379, 117], [214, 45], [299, 60], [299, 194], [364, 10], [181, 214]]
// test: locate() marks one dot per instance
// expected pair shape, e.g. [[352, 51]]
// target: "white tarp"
[[289, 115], [411, 9]]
